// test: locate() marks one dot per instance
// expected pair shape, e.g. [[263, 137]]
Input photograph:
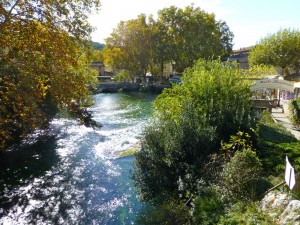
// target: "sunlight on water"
[[74, 177]]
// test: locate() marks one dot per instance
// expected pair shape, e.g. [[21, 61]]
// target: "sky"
[[249, 20]]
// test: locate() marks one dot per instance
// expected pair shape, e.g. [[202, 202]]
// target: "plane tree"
[[281, 49], [66, 14], [177, 36], [44, 62], [189, 34], [132, 40]]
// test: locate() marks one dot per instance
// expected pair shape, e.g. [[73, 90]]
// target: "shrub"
[[208, 208], [248, 214], [269, 131], [275, 133], [212, 104], [237, 142], [242, 174], [274, 143], [295, 111], [167, 214], [273, 155]]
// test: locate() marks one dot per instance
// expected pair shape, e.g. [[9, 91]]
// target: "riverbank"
[[112, 87]]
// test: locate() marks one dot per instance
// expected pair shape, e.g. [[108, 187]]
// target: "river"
[[72, 174]]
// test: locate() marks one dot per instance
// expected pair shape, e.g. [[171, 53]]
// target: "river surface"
[[72, 174]]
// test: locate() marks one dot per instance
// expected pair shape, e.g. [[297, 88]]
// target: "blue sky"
[[249, 20]]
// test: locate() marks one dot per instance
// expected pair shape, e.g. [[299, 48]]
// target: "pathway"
[[282, 118]]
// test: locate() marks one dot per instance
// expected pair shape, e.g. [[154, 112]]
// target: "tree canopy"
[[281, 49], [132, 39], [189, 34], [178, 36], [44, 62], [70, 16]]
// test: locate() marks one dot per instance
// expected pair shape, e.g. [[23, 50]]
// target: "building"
[[240, 56], [100, 67]]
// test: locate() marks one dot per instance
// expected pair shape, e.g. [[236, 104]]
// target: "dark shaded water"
[[73, 175]]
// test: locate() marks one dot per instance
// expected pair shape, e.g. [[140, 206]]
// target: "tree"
[[44, 63], [132, 39], [114, 57], [281, 49], [189, 34], [68, 15], [242, 174], [192, 120], [178, 36]]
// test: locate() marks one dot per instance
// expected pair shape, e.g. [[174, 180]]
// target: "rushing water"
[[73, 175]]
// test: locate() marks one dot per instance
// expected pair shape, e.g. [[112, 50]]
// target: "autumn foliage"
[[44, 65]]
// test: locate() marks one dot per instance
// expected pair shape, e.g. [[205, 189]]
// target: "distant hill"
[[98, 46]]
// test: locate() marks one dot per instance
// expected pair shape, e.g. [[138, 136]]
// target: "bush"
[[241, 175], [248, 214], [269, 131], [208, 209], [212, 104], [295, 117], [273, 156], [274, 143], [275, 133], [170, 158], [166, 214]]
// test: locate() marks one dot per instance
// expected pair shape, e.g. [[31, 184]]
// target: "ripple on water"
[[74, 178]]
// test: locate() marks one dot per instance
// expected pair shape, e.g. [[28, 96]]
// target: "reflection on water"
[[73, 177]]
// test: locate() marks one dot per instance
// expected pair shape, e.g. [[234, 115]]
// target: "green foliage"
[[259, 71], [237, 142], [269, 131], [248, 214], [275, 133], [208, 208], [185, 35], [178, 36], [295, 111], [168, 214], [281, 49], [212, 104], [274, 143], [212, 90], [169, 163], [265, 118], [241, 175], [129, 46], [273, 156]]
